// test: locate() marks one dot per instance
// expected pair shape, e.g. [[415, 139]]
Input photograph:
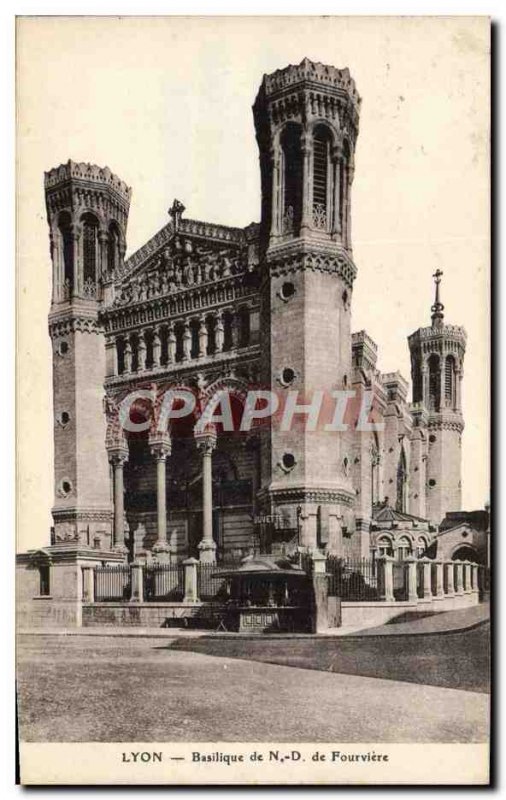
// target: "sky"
[[165, 102]]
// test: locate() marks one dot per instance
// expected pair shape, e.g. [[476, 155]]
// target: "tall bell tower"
[[87, 211], [437, 368], [306, 121]]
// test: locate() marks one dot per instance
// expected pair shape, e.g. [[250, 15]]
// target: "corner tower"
[[306, 121], [87, 211], [437, 362]]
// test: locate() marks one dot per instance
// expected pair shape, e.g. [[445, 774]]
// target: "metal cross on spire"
[[438, 308]]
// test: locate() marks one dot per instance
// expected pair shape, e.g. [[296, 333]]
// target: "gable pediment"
[[196, 253]]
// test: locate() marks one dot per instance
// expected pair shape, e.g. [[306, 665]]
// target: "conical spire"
[[438, 308]]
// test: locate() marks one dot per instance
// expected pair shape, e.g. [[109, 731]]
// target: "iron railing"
[[164, 582], [210, 585], [352, 579], [112, 583]]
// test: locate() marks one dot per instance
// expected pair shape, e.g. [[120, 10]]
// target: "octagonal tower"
[[306, 121], [437, 368], [87, 211]]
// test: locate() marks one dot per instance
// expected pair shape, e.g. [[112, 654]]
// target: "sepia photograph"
[[253, 398]]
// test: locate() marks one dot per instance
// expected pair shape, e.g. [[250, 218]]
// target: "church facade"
[[207, 309]]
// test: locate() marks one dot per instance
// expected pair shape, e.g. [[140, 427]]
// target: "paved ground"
[[140, 689], [455, 660]]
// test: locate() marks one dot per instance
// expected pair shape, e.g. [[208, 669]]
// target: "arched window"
[[402, 478], [120, 355], [244, 327], [179, 333], [211, 334], [67, 254], [195, 344], [417, 381], [113, 242], [228, 336], [385, 546], [450, 381], [292, 178], [321, 177], [404, 549], [90, 252], [434, 383]]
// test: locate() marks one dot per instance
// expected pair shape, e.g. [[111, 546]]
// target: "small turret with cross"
[[438, 308]]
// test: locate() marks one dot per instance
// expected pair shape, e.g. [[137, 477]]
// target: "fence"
[[352, 579], [112, 583], [164, 582], [210, 586]]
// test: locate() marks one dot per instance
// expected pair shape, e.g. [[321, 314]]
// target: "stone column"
[[440, 592], [160, 447], [206, 442], [467, 573], [111, 357], [320, 621], [88, 585], [442, 393], [455, 399], [157, 348], [336, 174], [219, 333], [118, 456], [412, 581], [307, 182], [350, 171], [202, 337], [141, 353], [75, 235], [190, 581], [102, 265], [171, 345], [449, 578], [427, 592], [386, 576], [187, 342], [276, 211], [137, 583], [460, 577], [127, 356]]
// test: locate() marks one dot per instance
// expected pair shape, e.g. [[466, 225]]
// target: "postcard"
[[253, 277]]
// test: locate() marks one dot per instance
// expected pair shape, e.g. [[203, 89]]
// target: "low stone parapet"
[[381, 612], [147, 615]]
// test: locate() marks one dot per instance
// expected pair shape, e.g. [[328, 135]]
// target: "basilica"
[[211, 308]]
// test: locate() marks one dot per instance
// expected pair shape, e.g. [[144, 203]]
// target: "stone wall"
[[372, 614], [60, 609], [142, 615]]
